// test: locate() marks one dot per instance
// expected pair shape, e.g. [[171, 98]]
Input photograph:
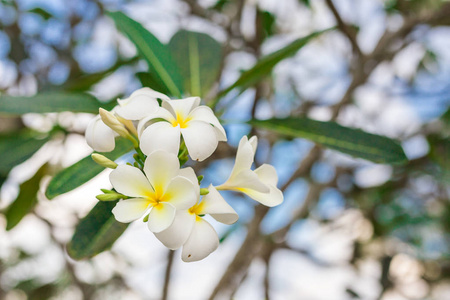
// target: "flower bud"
[[204, 191], [112, 122], [103, 161], [109, 197]]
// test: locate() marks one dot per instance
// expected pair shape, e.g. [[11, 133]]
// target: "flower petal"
[[181, 193], [177, 234], [267, 174], [214, 205], [129, 210], [145, 91], [130, 181], [272, 198], [159, 114], [181, 107], [138, 107], [201, 140], [160, 136], [244, 157], [189, 173], [99, 136], [202, 241], [245, 180], [161, 167], [254, 142], [161, 217], [205, 114]]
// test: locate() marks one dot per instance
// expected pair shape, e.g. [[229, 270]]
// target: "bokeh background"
[[348, 228]]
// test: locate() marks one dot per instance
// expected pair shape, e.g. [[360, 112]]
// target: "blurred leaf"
[[82, 171], [85, 82], [266, 64], [150, 80], [42, 12], [355, 142], [199, 59], [96, 232], [307, 3], [268, 23], [220, 4], [440, 154], [49, 102], [26, 200], [15, 148], [150, 48]]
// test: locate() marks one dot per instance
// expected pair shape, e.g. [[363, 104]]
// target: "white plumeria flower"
[[200, 128], [162, 189], [140, 104], [197, 236], [100, 137], [260, 184]]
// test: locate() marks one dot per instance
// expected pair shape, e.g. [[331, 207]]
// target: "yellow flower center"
[[180, 120], [158, 196], [196, 209]]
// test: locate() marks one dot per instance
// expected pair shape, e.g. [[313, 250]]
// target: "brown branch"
[[165, 291], [344, 28]]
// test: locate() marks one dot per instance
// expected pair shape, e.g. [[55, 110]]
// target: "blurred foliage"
[[43, 73]]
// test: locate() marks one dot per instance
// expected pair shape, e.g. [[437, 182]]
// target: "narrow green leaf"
[[15, 148], [85, 82], [26, 200], [199, 58], [153, 51], [355, 142], [49, 102], [82, 171], [96, 232], [266, 64]]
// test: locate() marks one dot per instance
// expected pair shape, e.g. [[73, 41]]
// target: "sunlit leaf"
[[199, 58], [15, 148], [26, 200], [82, 171], [266, 64], [96, 232], [153, 51], [354, 142], [49, 102]]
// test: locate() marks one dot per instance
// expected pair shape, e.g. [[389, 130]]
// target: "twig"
[[165, 291], [344, 28]]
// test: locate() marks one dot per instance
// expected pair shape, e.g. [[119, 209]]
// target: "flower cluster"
[[156, 187]]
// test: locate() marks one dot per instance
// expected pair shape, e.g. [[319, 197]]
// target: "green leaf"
[[268, 23], [18, 147], [266, 64], [42, 12], [49, 102], [85, 82], [150, 80], [96, 232], [82, 171], [199, 58], [26, 200], [153, 51], [351, 141]]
